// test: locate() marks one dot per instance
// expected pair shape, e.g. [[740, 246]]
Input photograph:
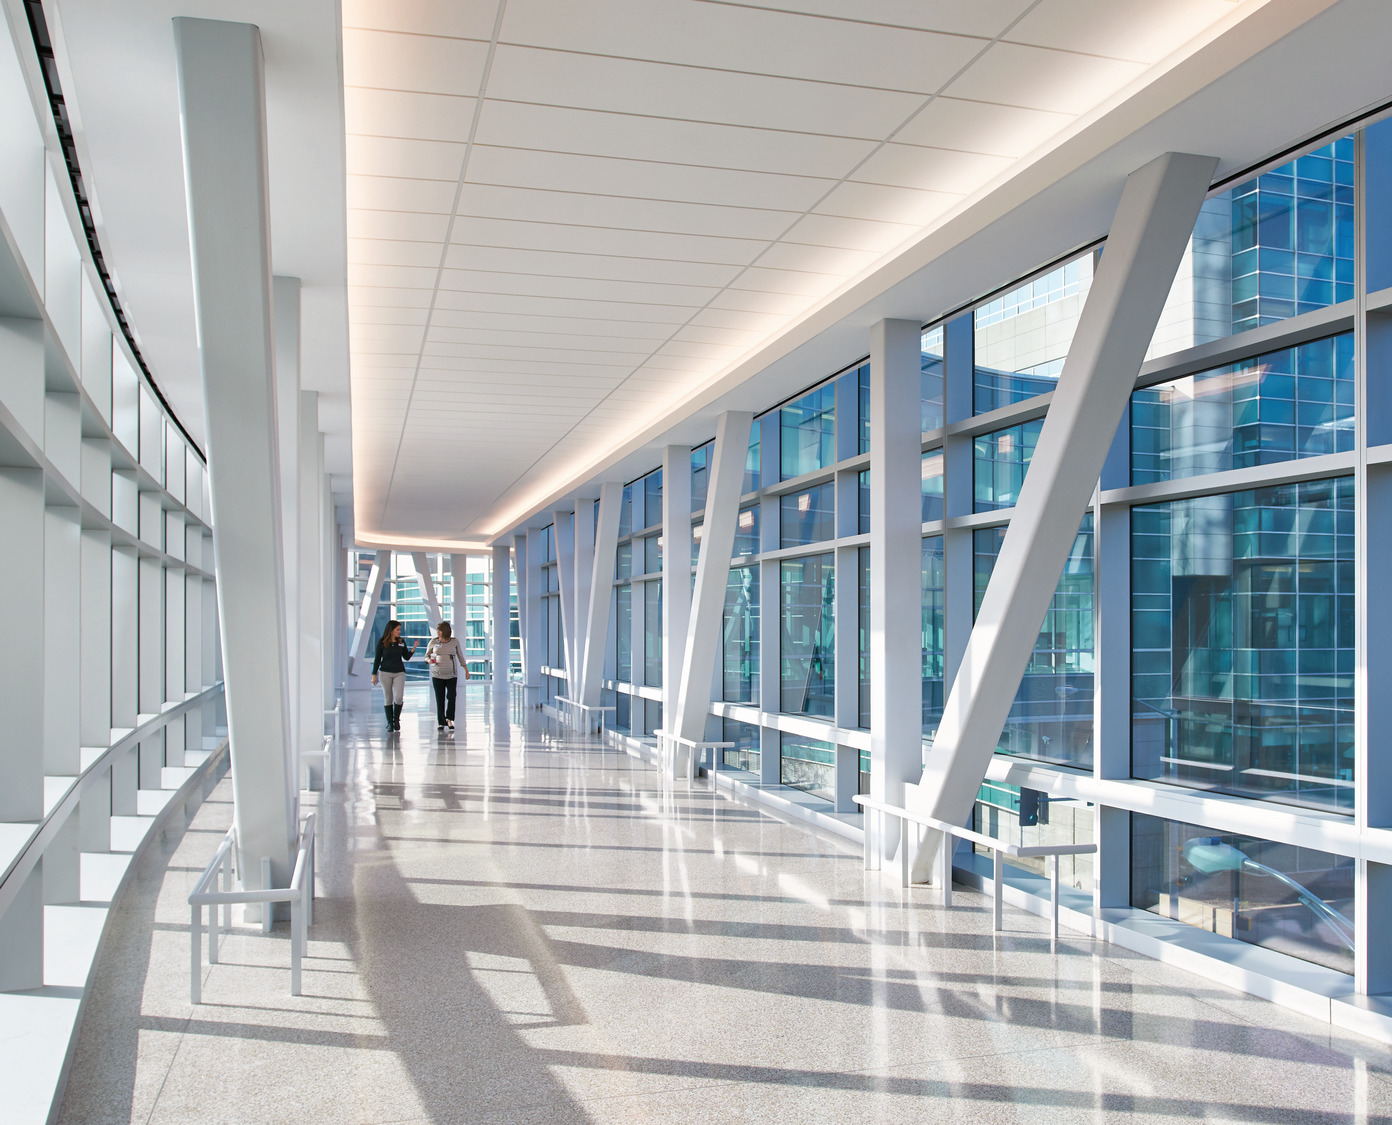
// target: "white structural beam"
[[381, 563], [583, 531], [595, 641], [285, 305], [1153, 222], [676, 573], [501, 636], [223, 117], [428, 592], [725, 480], [896, 549], [312, 626], [534, 635]]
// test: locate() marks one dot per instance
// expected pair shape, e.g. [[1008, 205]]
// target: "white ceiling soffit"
[[119, 82], [564, 220]]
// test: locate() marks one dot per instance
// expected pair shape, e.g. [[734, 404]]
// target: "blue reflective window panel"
[[862, 377], [652, 499], [807, 651], [744, 755], [863, 639], [934, 607], [1281, 406], [697, 530], [623, 560], [751, 461], [747, 533], [999, 463], [623, 713], [652, 633], [808, 516], [932, 469], [863, 500], [626, 512], [623, 634], [700, 475], [1051, 718], [740, 636], [808, 764], [1242, 630], [807, 433], [931, 380], [1296, 901], [1023, 336], [548, 543], [652, 554]]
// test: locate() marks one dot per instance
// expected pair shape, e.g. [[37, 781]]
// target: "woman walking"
[[446, 660], [390, 664]]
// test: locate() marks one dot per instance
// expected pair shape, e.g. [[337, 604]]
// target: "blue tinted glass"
[[747, 533], [933, 650], [652, 499], [740, 633], [808, 516], [863, 406], [1297, 901], [807, 433], [863, 524], [999, 463], [931, 380], [623, 634], [744, 755], [808, 764], [863, 646], [700, 475], [932, 469], [1242, 635], [807, 651], [652, 634], [1023, 336], [1051, 718], [1281, 406]]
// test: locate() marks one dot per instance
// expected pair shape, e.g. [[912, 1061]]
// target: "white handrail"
[[299, 894], [573, 712], [952, 832], [667, 739]]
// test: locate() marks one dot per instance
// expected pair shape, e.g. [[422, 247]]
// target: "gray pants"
[[393, 687]]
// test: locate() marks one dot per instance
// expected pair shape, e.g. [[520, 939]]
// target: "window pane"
[[930, 380], [863, 499], [1268, 249], [747, 533], [1051, 718], [623, 561], [1282, 406], [700, 475], [740, 636], [1029, 818], [863, 641], [807, 672], [999, 463], [808, 764], [623, 634], [744, 755], [808, 516], [1023, 336], [1242, 635], [807, 433], [652, 634], [1297, 901], [933, 651], [932, 486], [652, 499]]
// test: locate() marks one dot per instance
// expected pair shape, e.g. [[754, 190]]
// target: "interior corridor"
[[517, 928]]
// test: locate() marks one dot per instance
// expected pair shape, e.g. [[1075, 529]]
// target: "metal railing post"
[[196, 954], [998, 890], [1054, 894], [266, 908], [949, 842]]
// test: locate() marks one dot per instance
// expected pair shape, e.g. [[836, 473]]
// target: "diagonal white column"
[[1153, 222], [368, 610], [601, 593], [676, 571], [432, 599], [223, 118], [563, 535], [583, 544], [703, 635], [285, 304], [312, 625]]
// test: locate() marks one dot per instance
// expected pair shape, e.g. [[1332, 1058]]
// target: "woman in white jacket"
[[446, 660]]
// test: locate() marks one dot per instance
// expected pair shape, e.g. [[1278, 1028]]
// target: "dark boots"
[[396, 716], [390, 711]]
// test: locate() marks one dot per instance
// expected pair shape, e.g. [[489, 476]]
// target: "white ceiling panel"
[[738, 39], [655, 189], [693, 94]]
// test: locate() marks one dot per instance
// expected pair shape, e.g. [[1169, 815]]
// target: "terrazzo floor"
[[520, 929]]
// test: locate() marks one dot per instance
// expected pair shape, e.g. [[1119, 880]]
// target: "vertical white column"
[[64, 677], [98, 563], [501, 623], [606, 541], [676, 572], [583, 530], [310, 560], [725, 480], [1149, 233], [222, 103], [519, 564], [151, 667], [896, 520], [22, 665], [285, 308]]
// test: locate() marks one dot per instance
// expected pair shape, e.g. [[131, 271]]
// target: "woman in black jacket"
[[390, 665]]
